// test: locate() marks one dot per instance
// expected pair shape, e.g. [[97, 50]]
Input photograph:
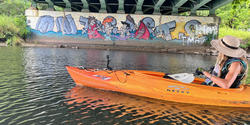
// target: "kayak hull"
[[153, 85]]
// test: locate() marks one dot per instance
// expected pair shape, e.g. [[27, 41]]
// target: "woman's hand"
[[199, 71], [226, 83]]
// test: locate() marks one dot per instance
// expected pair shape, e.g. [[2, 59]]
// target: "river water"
[[35, 88]]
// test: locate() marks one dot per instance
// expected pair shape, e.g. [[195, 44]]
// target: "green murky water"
[[35, 88]]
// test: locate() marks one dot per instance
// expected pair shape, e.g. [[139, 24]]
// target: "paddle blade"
[[183, 77]]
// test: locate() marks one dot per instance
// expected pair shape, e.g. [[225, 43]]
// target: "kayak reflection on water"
[[124, 108]]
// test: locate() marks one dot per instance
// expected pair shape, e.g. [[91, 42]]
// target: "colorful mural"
[[164, 30], [186, 32], [66, 25]]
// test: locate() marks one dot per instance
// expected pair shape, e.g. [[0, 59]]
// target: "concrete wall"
[[77, 26]]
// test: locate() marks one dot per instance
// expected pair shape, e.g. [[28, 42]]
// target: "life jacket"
[[225, 70]]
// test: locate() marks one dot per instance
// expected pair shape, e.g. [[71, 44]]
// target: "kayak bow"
[[152, 84]]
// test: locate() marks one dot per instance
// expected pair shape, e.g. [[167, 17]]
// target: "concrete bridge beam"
[[120, 6], [139, 7], [85, 7], [217, 4], [198, 5], [68, 5], [158, 6], [177, 4], [51, 5]]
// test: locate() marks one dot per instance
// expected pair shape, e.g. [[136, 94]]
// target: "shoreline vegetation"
[[13, 27], [234, 21]]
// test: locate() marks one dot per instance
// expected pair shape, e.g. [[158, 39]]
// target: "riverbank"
[[159, 48]]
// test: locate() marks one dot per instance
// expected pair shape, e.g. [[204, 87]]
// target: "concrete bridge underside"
[[164, 7]]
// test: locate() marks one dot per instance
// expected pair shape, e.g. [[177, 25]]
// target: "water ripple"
[[36, 89]]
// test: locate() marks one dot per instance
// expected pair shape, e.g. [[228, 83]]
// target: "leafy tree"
[[13, 27], [235, 15]]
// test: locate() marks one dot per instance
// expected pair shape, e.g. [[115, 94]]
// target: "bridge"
[[132, 23], [155, 7]]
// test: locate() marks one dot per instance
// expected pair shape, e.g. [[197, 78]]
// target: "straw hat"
[[229, 46]]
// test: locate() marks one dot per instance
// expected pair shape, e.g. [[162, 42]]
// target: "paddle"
[[108, 61], [182, 77], [186, 77]]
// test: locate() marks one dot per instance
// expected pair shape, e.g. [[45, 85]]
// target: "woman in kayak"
[[231, 65]]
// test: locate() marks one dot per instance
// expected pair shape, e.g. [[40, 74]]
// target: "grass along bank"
[[243, 35]]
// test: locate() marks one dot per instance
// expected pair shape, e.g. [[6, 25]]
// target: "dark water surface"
[[35, 88]]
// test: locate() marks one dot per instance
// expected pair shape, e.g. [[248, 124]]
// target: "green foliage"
[[42, 6], [235, 15], [57, 8], [235, 21], [210, 37], [13, 27], [202, 13], [13, 7], [20, 22]]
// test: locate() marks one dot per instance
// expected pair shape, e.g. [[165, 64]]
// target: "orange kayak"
[[152, 84]]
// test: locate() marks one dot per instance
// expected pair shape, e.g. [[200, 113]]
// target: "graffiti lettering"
[[66, 24], [165, 29], [45, 24], [205, 30], [84, 21], [190, 27], [189, 33]]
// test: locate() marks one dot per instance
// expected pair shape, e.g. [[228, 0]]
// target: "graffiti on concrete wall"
[[66, 25], [45, 24], [164, 30], [190, 32]]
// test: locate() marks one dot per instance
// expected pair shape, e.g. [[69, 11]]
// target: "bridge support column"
[[175, 11], [177, 4], [121, 7], [85, 7], [103, 7], [158, 6], [68, 5], [217, 4], [139, 7], [212, 12], [33, 4], [51, 5]]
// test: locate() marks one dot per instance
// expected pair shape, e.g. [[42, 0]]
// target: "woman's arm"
[[226, 83]]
